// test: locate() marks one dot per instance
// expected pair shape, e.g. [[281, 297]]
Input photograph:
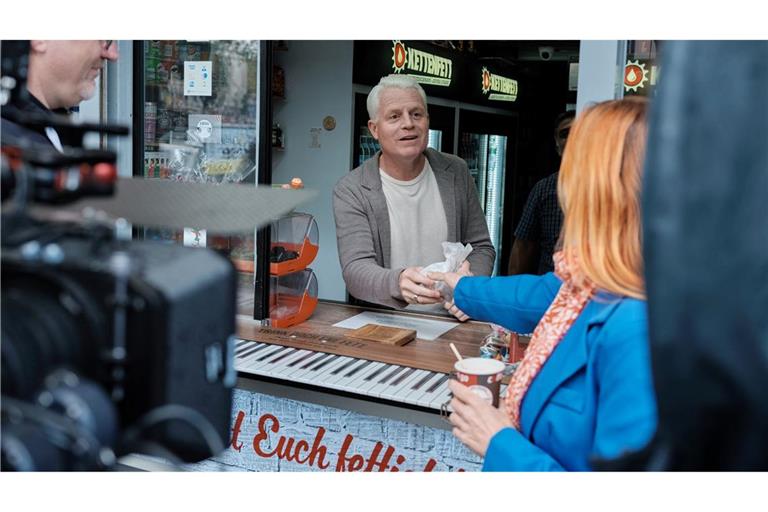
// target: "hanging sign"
[[498, 88], [425, 67]]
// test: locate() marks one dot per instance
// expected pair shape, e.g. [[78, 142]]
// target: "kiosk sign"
[[425, 67], [497, 87]]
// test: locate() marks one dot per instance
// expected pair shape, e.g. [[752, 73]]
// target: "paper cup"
[[482, 376]]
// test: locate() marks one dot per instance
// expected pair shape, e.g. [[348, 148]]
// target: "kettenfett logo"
[[399, 56], [500, 87], [635, 75], [425, 67], [486, 80]]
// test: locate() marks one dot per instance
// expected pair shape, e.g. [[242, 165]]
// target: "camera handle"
[[120, 265]]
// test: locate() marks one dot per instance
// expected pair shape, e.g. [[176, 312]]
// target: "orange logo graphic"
[[399, 56], [486, 80], [635, 75]]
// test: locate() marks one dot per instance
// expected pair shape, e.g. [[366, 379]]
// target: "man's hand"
[[416, 288], [474, 420]]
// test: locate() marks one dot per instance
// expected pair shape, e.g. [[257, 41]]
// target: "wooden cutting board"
[[383, 334]]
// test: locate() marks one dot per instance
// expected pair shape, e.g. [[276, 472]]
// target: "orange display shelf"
[[286, 310], [307, 251]]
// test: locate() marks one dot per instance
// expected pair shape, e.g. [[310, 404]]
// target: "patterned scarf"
[[567, 306]]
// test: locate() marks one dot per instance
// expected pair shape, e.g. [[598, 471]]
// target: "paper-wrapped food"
[[455, 254]]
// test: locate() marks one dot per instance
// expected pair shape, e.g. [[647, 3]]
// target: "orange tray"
[[287, 310], [307, 252]]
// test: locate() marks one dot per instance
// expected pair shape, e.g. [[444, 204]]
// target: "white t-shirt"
[[417, 222]]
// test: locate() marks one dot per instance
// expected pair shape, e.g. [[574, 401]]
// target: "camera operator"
[[61, 74], [107, 349]]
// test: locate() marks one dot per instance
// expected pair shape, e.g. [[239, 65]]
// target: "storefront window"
[[201, 119]]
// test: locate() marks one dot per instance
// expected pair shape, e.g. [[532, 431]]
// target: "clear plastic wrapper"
[[455, 254], [190, 163]]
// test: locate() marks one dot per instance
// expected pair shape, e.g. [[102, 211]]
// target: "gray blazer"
[[363, 231]]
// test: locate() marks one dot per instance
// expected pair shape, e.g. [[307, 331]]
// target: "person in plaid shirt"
[[539, 228]]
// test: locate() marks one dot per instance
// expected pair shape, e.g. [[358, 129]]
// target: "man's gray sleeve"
[[365, 278], [474, 230]]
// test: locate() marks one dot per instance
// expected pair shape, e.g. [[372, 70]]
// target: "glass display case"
[[293, 287], [292, 297], [294, 244]]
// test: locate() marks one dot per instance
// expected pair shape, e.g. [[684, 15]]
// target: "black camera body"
[[152, 324]]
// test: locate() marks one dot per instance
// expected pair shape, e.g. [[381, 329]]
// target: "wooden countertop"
[[319, 334]]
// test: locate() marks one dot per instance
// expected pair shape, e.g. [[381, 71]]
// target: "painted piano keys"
[[373, 379]]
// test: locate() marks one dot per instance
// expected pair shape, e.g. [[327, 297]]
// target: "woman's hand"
[[455, 311], [474, 420], [451, 279]]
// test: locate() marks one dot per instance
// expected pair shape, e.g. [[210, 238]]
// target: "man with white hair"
[[395, 210], [60, 75]]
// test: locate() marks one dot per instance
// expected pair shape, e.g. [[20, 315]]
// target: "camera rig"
[[109, 346]]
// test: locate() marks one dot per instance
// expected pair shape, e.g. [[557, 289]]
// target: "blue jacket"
[[593, 397]]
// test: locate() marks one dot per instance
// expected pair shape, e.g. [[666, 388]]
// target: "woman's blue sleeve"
[[514, 302], [510, 451]]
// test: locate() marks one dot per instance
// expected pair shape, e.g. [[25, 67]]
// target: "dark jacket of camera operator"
[[14, 133]]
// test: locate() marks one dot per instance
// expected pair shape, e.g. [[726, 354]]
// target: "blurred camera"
[[143, 333]]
